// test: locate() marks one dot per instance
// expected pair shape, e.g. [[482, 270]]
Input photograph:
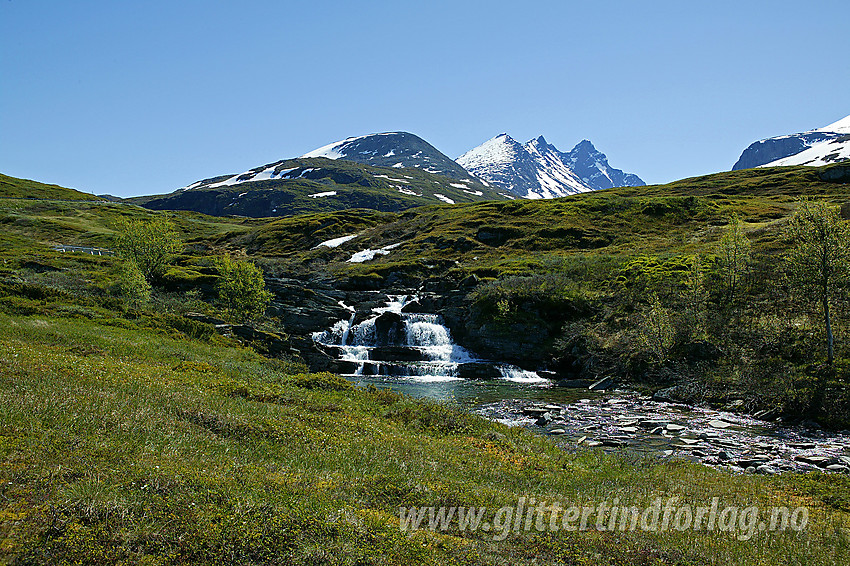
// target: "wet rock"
[[767, 470], [819, 461], [837, 468], [544, 419], [652, 423], [557, 431], [672, 427], [478, 370], [592, 443], [397, 354], [517, 343], [669, 395], [534, 411], [470, 281], [753, 461], [388, 329], [717, 423], [574, 383], [603, 384], [629, 429], [614, 442], [802, 445]]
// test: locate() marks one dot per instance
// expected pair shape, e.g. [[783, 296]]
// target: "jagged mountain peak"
[[537, 169], [585, 145]]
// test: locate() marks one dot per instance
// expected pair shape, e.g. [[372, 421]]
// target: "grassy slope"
[[357, 186], [564, 234], [12, 187], [126, 445], [122, 439]]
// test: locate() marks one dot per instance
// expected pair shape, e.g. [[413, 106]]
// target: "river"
[[414, 353]]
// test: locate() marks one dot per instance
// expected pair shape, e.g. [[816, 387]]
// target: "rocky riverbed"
[[629, 422]]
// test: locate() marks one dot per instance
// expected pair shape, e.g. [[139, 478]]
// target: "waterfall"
[[408, 345]]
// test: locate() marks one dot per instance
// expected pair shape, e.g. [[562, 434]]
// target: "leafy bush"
[[550, 296], [149, 243], [133, 285], [242, 289]]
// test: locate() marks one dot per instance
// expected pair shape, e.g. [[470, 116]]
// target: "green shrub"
[[133, 285], [242, 289], [149, 243]]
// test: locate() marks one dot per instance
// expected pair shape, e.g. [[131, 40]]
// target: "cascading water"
[[398, 344]]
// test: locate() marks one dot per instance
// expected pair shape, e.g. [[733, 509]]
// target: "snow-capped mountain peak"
[[537, 169], [840, 127], [392, 149], [821, 146]]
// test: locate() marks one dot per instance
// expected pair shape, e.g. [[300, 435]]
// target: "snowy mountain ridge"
[[821, 146], [393, 149], [537, 169]]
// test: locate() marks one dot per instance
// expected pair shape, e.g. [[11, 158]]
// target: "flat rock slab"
[[819, 461], [534, 411], [717, 423], [674, 427], [557, 431]]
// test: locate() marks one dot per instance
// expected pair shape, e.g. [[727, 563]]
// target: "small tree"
[[149, 244], [818, 263], [133, 286], [656, 332], [733, 258], [695, 299], [242, 289]]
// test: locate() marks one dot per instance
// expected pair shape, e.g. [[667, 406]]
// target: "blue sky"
[[133, 98]]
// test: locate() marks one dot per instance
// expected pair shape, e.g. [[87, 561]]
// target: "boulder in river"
[[478, 370], [603, 384], [669, 395], [388, 329]]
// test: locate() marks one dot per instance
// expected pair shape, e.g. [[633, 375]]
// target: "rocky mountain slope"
[[537, 169], [393, 149], [298, 186], [822, 146]]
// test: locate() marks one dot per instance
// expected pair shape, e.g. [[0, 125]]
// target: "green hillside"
[[320, 185], [131, 434], [12, 187]]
